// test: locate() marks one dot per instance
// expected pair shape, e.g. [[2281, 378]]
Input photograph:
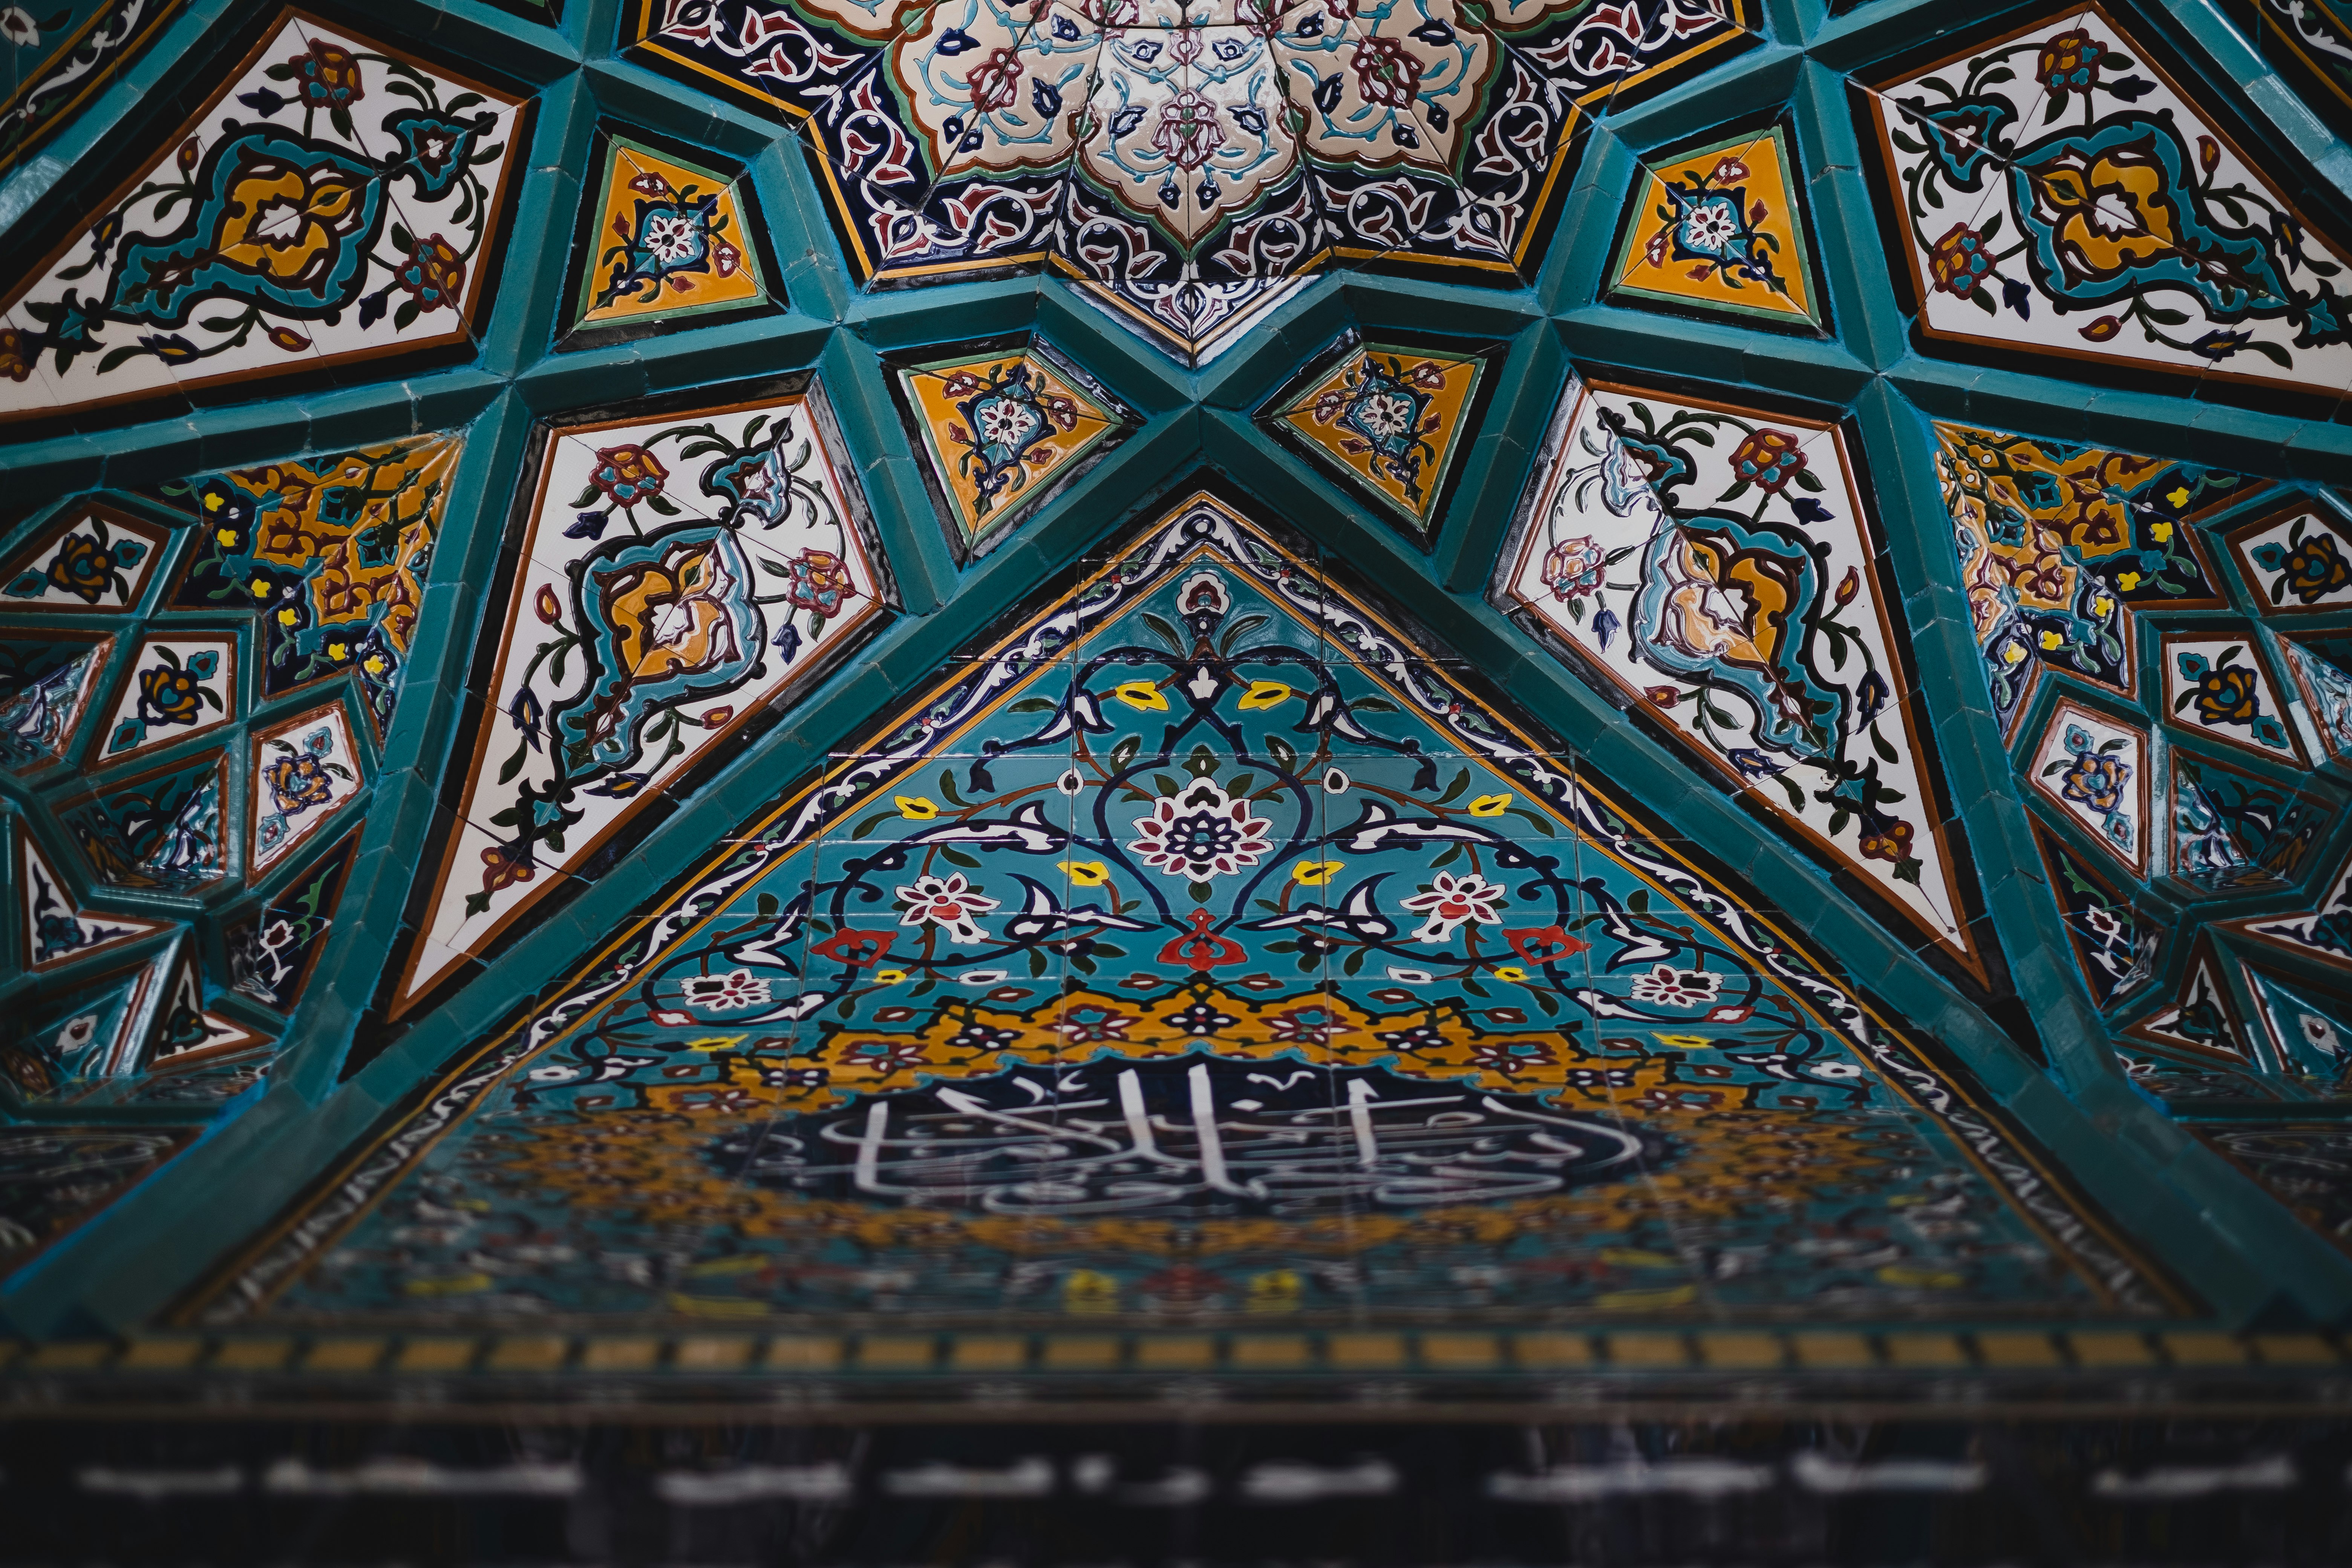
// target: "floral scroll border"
[[1201, 525]]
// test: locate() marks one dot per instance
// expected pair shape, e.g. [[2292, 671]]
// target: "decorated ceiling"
[[881, 687]]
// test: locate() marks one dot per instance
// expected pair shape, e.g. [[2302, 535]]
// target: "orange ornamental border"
[[1925, 759], [404, 999], [1921, 287], [2085, 1210], [466, 315]]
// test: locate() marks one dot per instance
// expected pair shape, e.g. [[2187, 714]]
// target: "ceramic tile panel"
[[2217, 683], [177, 687], [2096, 771], [1389, 419], [55, 930], [1366, 1012], [678, 574], [47, 681], [97, 559], [2115, 947], [1721, 567], [667, 238], [302, 773], [2296, 561], [1187, 166], [333, 201], [1721, 229], [1001, 428], [2059, 172]]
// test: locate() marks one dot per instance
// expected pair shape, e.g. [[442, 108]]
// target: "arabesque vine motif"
[[264, 243], [1158, 862], [2110, 197], [1185, 163]]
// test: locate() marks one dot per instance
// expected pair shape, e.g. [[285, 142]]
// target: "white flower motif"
[[1453, 900], [17, 26], [2103, 923], [1667, 986], [1200, 834], [948, 904], [669, 238], [725, 993], [1003, 424]]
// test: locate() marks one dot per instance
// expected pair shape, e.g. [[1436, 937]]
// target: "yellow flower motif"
[[916, 807], [1918, 1275], [2103, 606], [2127, 581], [1510, 972], [890, 976], [261, 590], [1314, 873], [2160, 531], [1140, 694], [227, 536], [338, 651], [1684, 1042], [2178, 498], [214, 500], [716, 1042], [1491, 805], [1087, 873], [1266, 694], [372, 664], [2050, 641], [1089, 1290], [289, 616], [2012, 653]]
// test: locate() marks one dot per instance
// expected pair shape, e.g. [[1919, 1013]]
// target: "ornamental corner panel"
[[334, 201], [1719, 568], [2059, 172], [679, 578], [1152, 968]]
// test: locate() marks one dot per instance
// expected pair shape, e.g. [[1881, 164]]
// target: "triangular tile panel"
[[2311, 1038], [2298, 560], [2200, 1018], [2236, 830], [668, 237], [2217, 685], [1390, 419], [165, 827], [97, 559], [2094, 770], [679, 575], [270, 956], [1340, 938], [2115, 947], [2323, 932], [332, 201], [175, 687], [1720, 230], [300, 774], [1001, 428], [2090, 210], [2061, 545], [1720, 568], [2319, 666], [56, 930]]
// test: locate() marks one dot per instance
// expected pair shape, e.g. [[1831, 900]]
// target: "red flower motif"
[[1387, 72], [858, 949]]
